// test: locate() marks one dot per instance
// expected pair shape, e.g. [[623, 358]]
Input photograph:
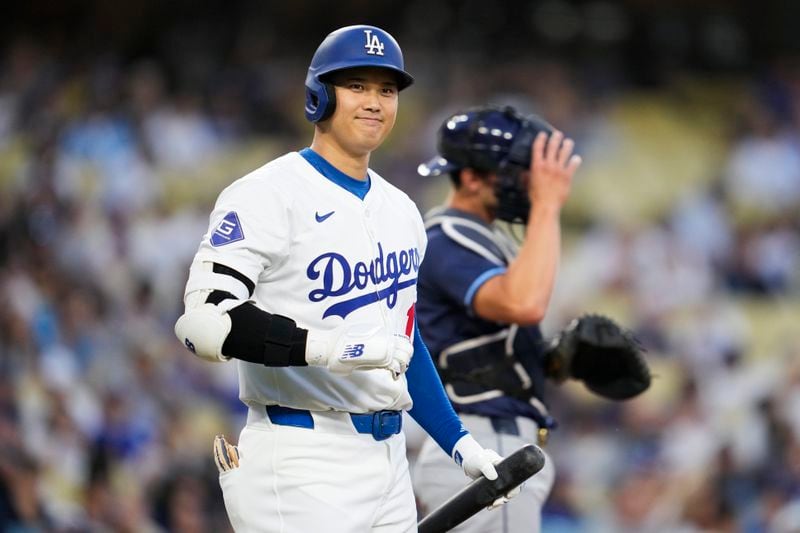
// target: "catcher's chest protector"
[[485, 367]]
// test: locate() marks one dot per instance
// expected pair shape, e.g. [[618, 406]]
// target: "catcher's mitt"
[[597, 351]]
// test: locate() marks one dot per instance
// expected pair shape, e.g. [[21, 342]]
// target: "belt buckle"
[[385, 424]]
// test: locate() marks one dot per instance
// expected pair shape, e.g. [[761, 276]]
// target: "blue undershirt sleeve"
[[432, 409]]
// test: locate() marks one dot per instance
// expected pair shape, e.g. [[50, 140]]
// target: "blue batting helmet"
[[349, 47], [490, 139]]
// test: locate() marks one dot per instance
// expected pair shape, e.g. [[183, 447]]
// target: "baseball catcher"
[[482, 295]]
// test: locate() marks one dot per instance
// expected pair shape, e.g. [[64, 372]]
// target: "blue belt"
[[381, 424]]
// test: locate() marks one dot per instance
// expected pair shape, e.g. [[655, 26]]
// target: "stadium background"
[[120, 122]]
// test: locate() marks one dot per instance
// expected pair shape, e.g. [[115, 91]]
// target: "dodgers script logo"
[[373, 45], [339, 278]]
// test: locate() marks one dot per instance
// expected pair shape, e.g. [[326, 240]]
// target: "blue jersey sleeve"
[[432, 409]]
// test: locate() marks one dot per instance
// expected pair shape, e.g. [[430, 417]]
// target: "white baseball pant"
[[329, 478]]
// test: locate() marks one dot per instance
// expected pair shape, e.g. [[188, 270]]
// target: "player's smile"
[[371, 121], [372, 126]]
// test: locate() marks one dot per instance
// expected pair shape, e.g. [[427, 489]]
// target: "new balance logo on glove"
[[351, 351]]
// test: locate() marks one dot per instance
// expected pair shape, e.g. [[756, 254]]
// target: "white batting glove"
[[359, 347], [478, 461]]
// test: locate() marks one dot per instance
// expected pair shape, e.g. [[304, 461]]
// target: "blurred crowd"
[[684, 224]]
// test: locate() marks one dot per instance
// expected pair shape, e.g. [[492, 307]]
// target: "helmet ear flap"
[[320, 100], [330, 107]]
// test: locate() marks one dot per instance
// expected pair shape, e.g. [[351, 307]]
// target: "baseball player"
[[307, 277], [481, 296]]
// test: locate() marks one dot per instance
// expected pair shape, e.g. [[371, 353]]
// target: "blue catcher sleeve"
[[432, 409]]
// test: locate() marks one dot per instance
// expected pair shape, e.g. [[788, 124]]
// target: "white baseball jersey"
[[322, 256]]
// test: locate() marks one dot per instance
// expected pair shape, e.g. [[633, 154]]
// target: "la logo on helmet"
[[373, 45]]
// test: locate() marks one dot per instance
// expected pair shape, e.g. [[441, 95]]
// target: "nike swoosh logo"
[[322, 218]]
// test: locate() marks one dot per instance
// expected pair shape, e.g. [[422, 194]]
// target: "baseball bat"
[[511, 471]]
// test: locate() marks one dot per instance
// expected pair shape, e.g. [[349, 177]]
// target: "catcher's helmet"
[[349, 47], [490, 139]]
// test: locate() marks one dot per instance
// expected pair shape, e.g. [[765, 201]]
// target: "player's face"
[[366, 108]]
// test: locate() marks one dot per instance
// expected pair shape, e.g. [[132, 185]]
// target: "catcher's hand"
[[597, 351]]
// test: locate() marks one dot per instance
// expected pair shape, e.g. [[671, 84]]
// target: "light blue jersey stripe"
[[479, 281]]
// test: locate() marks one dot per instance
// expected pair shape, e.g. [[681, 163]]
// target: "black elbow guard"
[[260, 337]]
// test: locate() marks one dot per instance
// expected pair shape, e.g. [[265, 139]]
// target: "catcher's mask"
[[491, 139]]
